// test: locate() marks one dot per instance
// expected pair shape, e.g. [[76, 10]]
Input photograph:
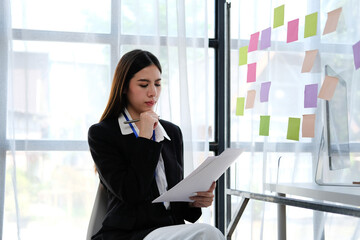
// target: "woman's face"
[[144, 90]]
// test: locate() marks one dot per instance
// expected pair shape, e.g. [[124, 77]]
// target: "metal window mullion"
[[50, 145], [281, 46], [4, 67], [57, 36], [220, 109]]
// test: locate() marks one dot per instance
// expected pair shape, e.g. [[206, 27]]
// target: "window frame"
[[112, 40]]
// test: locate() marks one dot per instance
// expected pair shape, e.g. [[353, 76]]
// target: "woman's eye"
[[157, 84], [143, 86]]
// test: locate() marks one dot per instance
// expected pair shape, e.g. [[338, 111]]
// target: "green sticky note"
[[264, 125], [310, 25], [243, 51], [293, 129], [240, 103], [279, 16]]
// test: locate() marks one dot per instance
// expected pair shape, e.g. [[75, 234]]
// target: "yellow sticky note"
[[264, 125], [243, 51], [293, 129], [279, 16], [310, 25], [240, 102]]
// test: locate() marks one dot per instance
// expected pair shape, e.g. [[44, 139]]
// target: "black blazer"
[[126, 167]]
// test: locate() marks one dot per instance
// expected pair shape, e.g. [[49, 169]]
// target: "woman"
[[139, 161]]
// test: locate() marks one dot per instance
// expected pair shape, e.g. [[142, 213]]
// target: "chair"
[[98, 212]]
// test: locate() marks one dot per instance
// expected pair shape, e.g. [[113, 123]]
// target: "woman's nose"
[[152, 91]]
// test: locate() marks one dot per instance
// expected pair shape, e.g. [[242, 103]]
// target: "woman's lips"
[[150, 103]]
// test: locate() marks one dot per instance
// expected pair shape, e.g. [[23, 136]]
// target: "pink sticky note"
[[264, 91], [254, 40], [308, 125], [251, 73], [328, 88], [250, 99], [292, 31], [309, 60], [265, 41], [332, 21]]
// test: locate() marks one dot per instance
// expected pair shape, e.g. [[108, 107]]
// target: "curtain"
[[274, 158], [57, 63]]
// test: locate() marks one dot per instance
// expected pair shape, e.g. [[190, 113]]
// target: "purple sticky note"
[[292, 31], [356, 50], [254, 40], [264, 91], [265, 38], [251, 73], [310, 96]]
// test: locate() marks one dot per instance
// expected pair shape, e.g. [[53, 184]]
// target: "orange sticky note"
[[308, 125], [309, 60], [328, 88], [250, 99], [332, 21]]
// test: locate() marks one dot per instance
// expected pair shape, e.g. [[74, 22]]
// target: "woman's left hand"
[[203, 199]]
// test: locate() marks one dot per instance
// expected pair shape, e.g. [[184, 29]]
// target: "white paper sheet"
[[201, 178]]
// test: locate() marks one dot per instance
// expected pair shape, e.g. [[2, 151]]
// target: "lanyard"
[[133, 129]]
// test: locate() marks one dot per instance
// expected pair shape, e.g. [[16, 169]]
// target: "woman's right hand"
[[148, 122]]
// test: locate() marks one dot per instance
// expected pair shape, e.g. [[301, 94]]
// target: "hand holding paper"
[[201, 178], [203, 199]]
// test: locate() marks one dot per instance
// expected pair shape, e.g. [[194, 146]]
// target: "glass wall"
[[274, 157]]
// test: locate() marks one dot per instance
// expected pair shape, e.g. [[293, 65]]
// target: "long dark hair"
[[130, 63]]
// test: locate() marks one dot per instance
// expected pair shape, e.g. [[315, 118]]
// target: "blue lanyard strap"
[[133, 129]]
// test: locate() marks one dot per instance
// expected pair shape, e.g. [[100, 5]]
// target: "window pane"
[[159, 17], [211, 18], [59, 89], [56, 193], [62, 15]]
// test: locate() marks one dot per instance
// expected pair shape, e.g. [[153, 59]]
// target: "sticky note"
[[356, 51], [308, 125], [265, 41], [332, 21], [293, 129], [240, 106], [292, 31], [309, 60], [264, 125], [279, 16], [254, 40], [328, 88], [251, 73], [243, 55], [264, 91], [310, 25], [310, 96], [250, 99]]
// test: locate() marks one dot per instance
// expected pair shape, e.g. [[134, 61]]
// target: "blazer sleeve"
[[128, 179]]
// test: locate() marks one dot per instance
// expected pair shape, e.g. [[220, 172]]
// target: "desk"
[[332, 199]]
